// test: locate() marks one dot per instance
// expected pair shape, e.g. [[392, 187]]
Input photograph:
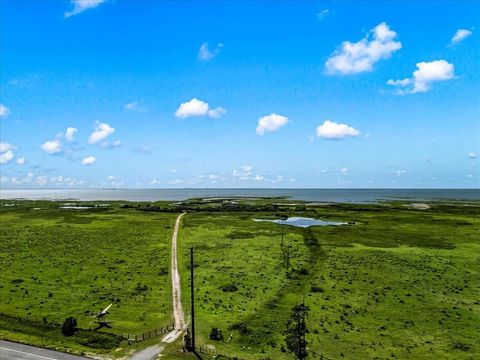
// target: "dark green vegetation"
[[58, 263], [80, 338], [296, 331], [400, 283], [69, 326]]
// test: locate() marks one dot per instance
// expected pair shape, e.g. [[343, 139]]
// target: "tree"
[[295, 331], [216, 334], [69, 326]]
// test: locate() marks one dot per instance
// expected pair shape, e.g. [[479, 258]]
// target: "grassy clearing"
[[64, 262], [400, 283]]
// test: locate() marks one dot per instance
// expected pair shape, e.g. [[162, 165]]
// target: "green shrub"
[[216, 334], [69, 326]]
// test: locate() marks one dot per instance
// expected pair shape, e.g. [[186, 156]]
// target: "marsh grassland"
[[69, 262], [399, 282]]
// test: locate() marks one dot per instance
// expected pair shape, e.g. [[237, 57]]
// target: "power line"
[[192, 299]]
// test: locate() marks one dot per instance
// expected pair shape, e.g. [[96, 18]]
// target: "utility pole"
[[285, 250], [301, 330], [304, 330], [299, 334], [192, 299]]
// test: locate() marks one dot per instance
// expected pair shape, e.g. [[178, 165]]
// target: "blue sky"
[[164, 94]]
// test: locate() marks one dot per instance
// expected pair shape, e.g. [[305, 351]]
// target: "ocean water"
[[312, 195]]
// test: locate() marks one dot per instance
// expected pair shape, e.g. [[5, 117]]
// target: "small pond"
[[303, 222], [76, 207]]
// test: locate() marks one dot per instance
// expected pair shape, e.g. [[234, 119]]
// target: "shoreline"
[[210, 195]]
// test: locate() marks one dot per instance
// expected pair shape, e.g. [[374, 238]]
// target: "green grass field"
[[397, 283], [400, 283], [62, 262]]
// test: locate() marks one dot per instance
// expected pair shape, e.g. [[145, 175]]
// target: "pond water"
[[303, 222], [76, 207]]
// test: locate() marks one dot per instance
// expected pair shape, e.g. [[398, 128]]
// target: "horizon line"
[[231, 188]]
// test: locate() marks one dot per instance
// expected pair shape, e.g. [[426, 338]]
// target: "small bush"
[[69, 326], [163, 272], [216, 334], [229, 288], [141, 288], [461, 346], [302, 271]]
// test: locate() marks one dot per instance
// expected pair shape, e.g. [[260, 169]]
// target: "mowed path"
[[179, 317]]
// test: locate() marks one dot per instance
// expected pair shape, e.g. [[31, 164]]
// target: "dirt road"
[[178, 316], [153, 352]]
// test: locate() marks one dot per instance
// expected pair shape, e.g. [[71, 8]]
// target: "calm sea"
[[320, 195]]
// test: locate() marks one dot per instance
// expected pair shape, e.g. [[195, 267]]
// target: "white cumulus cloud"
[[205, 54], [361, 56], [270, 123], [70, 133], [25, 180], [4, 111], [62, 180], [155, 181], [472, 155], [5, 147], [246, 173], [216, 113], [21, 161], [80, 6], [135, 106], [333, 130], [6, 156], [196, 107], [460, 35], [89, 160], [400, 172], [426, 74], [52, 146], [102, 131], [41, 180]]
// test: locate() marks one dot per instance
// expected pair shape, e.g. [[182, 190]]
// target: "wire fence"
[[149, 334], [43, 322]]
